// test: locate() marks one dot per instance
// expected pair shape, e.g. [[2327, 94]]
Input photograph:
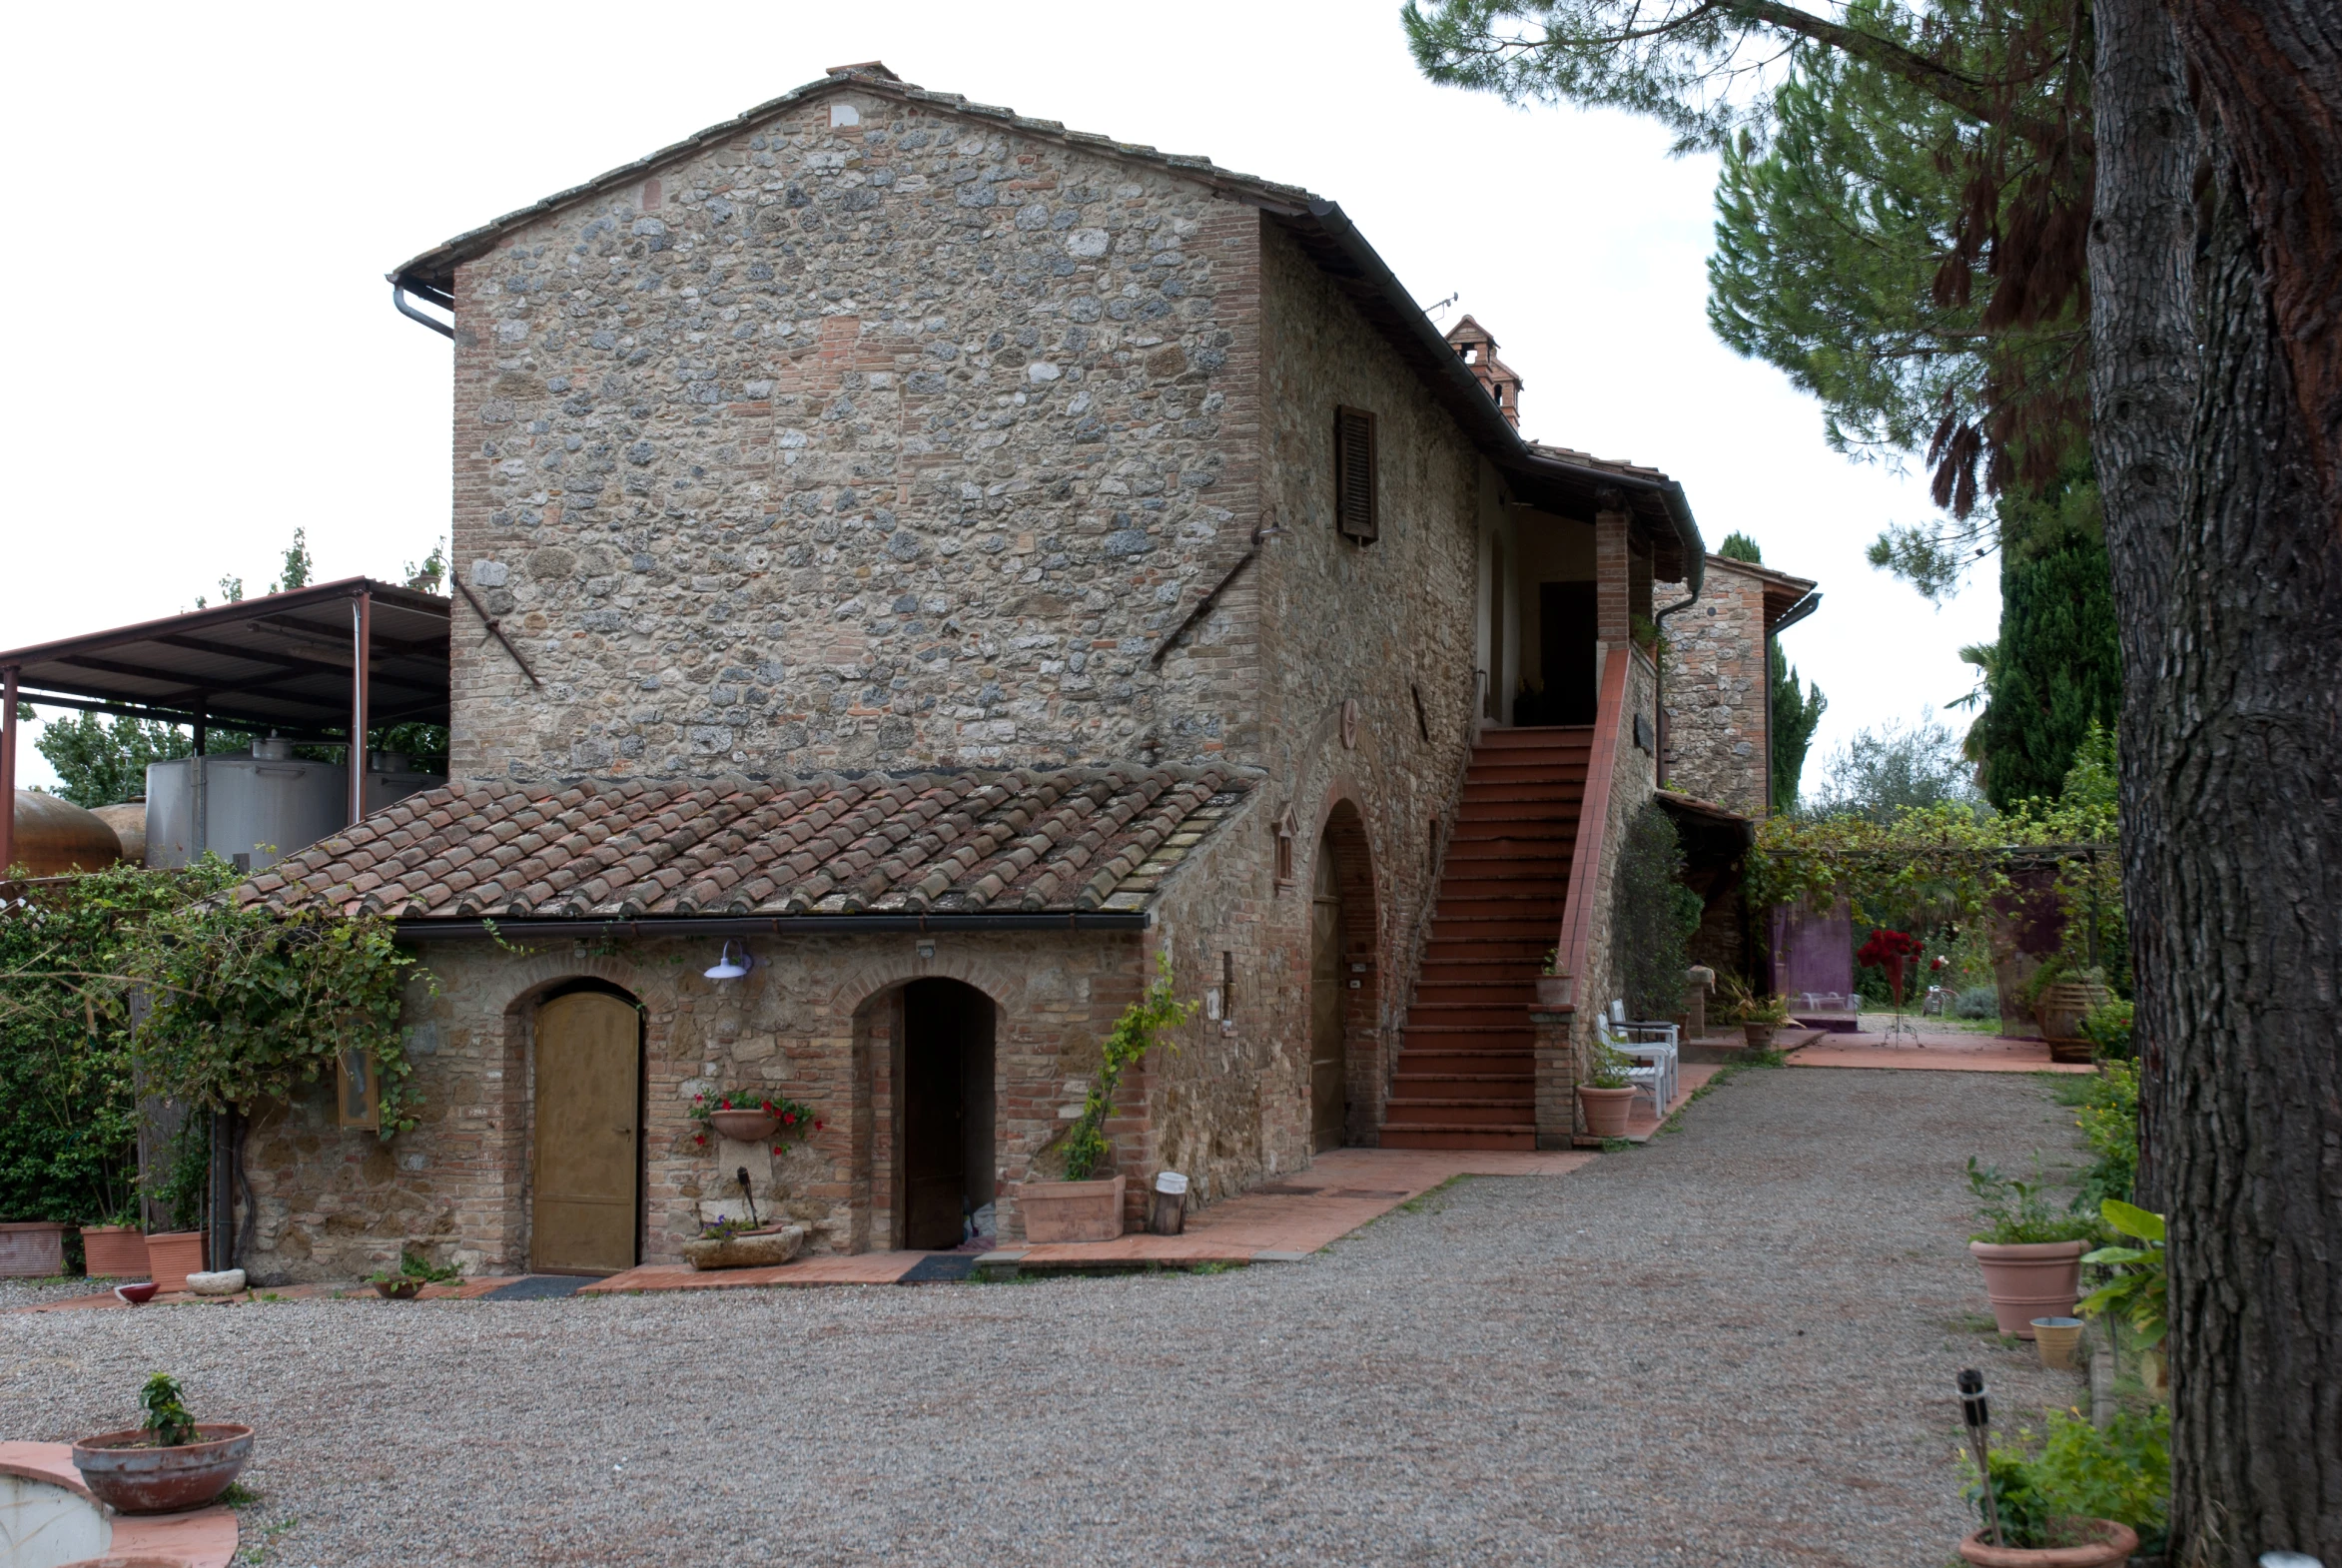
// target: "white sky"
[[206, 355]]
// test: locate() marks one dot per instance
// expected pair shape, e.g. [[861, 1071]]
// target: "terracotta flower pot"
[[2056, 1338], [1757, 1035], [746, 1127], [2115, 1544], [114, 1252], [1553, 991], [397, 1290], [1605, 1110], [174, 1255], [2031, 1279], [130, 1476], [32, 1249], [1072, 1211]]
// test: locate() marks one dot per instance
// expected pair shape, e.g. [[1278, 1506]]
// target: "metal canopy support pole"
[[7, 769], [203, 725], [361, 618]]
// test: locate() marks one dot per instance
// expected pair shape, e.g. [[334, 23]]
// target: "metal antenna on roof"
[[1437, 306], [1978, 1413]]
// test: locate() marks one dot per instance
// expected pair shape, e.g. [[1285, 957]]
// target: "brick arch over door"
[[532, 982], [1343, 839], [874, 1169]]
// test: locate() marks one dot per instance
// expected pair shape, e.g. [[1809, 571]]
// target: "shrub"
[[1653, 916], [2107, 1026], [2123, 1473], [2110, 1124], [1977, 1001]]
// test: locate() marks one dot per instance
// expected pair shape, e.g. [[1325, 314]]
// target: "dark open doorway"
[[1565, 657], [947, 1158]]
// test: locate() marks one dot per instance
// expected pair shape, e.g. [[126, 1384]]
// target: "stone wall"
[[1715, 690], [895, 443], [811, 1021]]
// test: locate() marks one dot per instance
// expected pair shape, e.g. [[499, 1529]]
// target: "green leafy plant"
[[2109, 1105], [2139, 1290], [1133, 1034], [166, 1423], [2108, 1027], [726, 1229], [797, 1119], [2123, 1473], [413, 1267], [1552, 963], [183, 1184], [1606, 1067], [2016, 1213], [1653, 915], [1742, 1004]]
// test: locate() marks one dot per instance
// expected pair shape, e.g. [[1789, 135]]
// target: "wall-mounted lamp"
[[730, 968]]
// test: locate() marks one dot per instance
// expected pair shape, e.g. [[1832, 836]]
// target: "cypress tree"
[[2057, 670]]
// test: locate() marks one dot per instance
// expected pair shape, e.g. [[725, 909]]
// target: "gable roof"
[[1067, 841], [1550, 477]]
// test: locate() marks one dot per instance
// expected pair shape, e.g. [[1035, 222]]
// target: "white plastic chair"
[[1655, 1057]]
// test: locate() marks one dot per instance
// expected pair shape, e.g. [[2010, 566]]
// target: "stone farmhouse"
[[953, 560]]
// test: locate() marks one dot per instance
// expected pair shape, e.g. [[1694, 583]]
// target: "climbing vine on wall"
[[1137, 1032], [219, 1004]]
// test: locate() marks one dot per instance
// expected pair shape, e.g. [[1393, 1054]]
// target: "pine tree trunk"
[[2142, 396], [2243, 745]]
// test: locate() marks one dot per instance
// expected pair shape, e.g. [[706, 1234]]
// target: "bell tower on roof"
[[1477, 348]]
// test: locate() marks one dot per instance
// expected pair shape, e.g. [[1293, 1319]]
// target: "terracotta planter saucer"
[[2114, 1545]]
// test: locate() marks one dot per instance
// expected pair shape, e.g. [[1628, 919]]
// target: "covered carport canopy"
[[317, 664]]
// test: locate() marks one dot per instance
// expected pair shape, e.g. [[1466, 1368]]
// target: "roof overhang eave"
[[1483, 422]]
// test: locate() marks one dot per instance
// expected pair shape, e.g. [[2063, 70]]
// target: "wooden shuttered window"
[[1354, 499]]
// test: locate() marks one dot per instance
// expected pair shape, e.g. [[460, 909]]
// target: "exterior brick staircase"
[[1467, 1075]]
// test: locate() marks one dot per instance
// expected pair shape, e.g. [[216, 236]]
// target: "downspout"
[[399, 298], [1658, 683]]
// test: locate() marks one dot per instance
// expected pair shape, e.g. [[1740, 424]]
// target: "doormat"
[[538, 1287], [939, 1268]]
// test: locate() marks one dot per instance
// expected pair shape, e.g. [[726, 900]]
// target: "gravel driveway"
[[1735, 1345]]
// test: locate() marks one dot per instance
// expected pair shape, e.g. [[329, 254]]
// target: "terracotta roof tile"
[[1073, 839]]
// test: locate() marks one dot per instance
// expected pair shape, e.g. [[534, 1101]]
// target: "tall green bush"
[[1653, 915]]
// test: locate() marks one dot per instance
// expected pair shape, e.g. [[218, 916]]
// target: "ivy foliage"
[[1135, 1033], [129, 982], [1653, 915]]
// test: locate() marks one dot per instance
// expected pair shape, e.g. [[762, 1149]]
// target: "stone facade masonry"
[[893, 444], [1715, 690]]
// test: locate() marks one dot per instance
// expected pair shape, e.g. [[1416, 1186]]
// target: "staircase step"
[[1462, 1113]]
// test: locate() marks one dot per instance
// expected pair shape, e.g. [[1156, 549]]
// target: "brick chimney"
[[1473, 343]]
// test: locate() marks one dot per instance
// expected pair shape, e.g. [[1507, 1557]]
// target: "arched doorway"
[[947, 1158], [1329, 1100], [585, 1211]]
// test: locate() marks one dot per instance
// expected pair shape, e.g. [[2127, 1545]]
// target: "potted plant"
[[167, 1464], [1553, 986], [1758, 1015], [405, 1282], [114, 1252], [1607, 1095], [2084, 1502], [2029, 1251], [2137, 1290], [1086, 1207], [750, 1117]]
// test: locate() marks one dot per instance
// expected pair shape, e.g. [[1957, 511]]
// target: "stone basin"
[[748, 1250]]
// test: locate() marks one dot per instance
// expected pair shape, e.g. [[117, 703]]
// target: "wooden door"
[[588, 1087], [935, 1160], [1330, 1102]]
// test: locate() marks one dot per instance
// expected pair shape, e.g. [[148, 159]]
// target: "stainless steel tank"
[[388, 778], [252, 810]]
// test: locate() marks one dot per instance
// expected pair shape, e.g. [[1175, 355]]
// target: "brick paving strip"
[[200, 1538], [1933, 1051]]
